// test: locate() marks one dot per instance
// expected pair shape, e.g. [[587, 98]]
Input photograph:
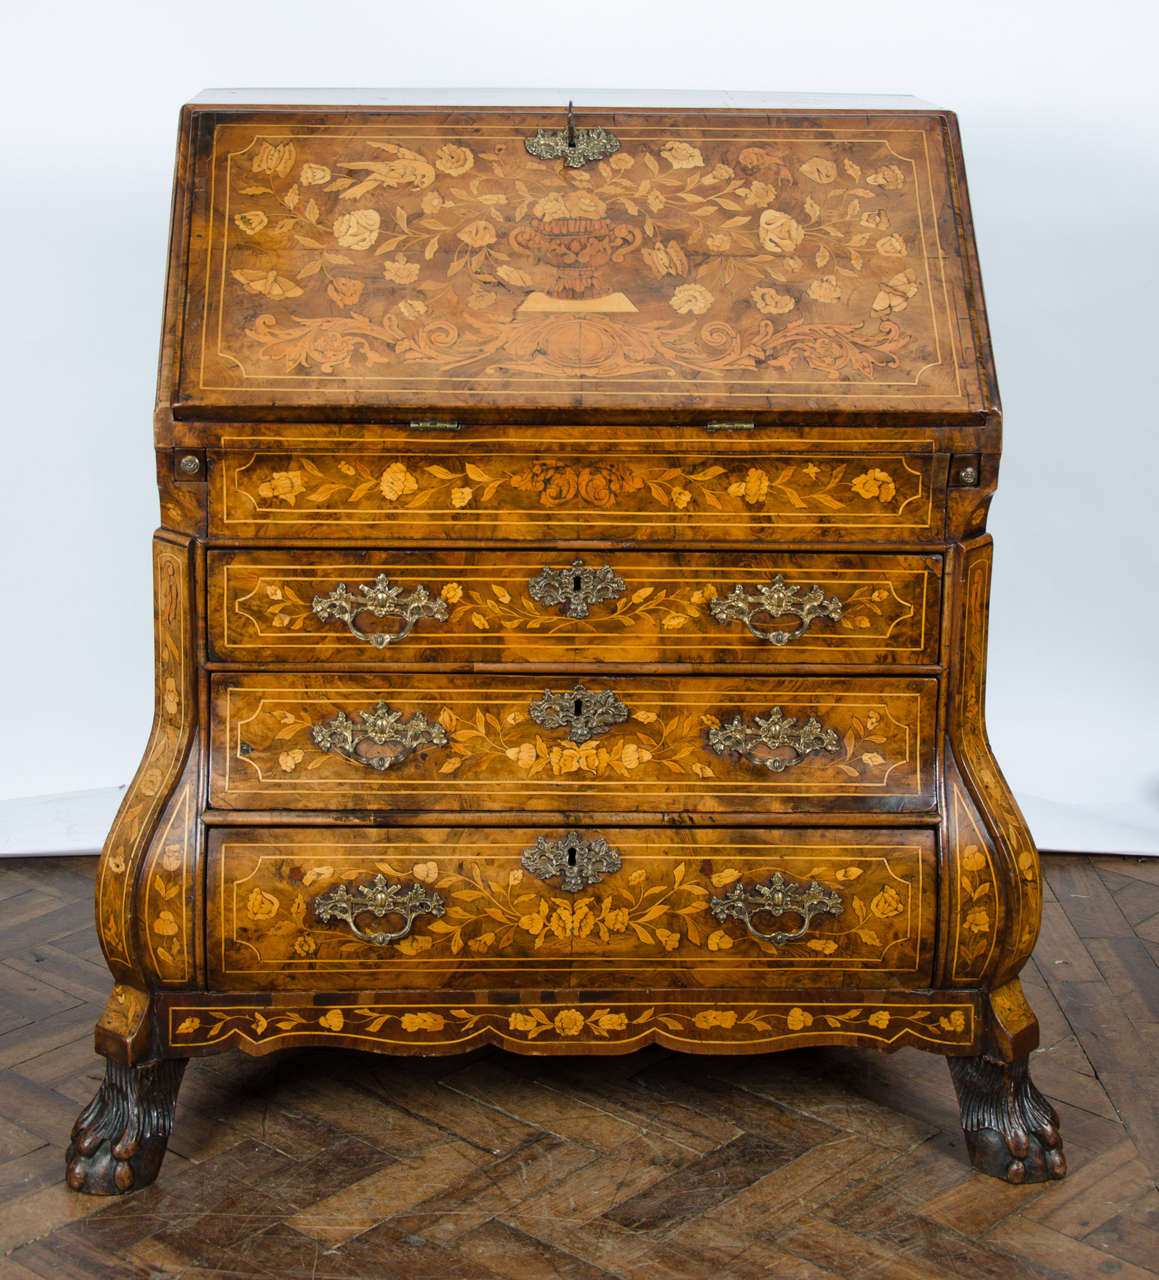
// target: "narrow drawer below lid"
[[590, 484]]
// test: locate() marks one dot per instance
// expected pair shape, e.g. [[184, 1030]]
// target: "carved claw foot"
[[119, 1140], [1011, 1130]]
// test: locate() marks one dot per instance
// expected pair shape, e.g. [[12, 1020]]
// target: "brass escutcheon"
[[585, 713], [575, 589], [576, 147], [576, 860]]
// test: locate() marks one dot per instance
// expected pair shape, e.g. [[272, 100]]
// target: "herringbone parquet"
[[654, 1166]]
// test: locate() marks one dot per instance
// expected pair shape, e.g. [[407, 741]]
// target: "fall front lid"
[[382, 264]]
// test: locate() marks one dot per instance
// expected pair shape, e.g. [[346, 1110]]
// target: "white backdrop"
[[1057, 103]]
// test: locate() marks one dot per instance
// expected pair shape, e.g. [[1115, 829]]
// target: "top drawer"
[[602, 488], [653, 606]]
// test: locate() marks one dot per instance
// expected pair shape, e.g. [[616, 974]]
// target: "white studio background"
[[1058, 106]]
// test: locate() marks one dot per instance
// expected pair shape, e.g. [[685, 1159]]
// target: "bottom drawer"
[[357, 909]]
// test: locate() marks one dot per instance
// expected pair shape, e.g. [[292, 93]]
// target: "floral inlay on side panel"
[[762, 262], [147, 794]]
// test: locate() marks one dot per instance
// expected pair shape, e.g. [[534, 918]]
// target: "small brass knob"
[[190, 464], [968, 475]]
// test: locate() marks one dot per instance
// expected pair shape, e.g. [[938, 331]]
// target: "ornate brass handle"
[[383, 599], [576, 860], [381, 898], [585, 713], [775, 599], [381, 727], [778, 896], [758, 742], [576, 588]]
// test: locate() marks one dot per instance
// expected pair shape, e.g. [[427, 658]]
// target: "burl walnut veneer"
[[570, 608]]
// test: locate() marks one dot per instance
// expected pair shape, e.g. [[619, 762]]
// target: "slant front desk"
[[571, 606]]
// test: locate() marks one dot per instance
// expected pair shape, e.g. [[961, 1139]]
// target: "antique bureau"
[[571, 607]]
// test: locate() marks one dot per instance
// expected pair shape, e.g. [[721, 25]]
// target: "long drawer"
[[603, 487], [467, 607], [600, 744], [534, 907]]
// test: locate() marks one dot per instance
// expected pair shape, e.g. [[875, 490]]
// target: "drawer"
[[596, 744], [467, 607], [602, 488], [644, 908]]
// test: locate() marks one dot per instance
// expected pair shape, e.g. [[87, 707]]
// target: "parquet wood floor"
[[654, 1166]]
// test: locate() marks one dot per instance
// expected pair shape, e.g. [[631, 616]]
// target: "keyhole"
[[576, 583], [578, 706], [570, 856]]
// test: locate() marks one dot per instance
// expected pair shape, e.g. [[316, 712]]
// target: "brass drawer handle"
[[758, 742], [381, 898], [383, 728], [775, 599], [576, 588], [777, 896], [383, 599], [576, 860], [585, 713]]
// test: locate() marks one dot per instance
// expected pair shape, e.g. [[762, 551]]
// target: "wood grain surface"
[[612, 486], [261, 608], [494, 755], [646, 924], [738, 262]]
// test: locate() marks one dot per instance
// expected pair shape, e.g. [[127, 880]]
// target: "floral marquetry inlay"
[[134, 836], [496, 910], [528, 497], [746, 263], [293, 741], [946, 1024]]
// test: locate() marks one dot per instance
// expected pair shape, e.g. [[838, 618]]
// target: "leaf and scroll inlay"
[[144, 801], [492, 911], [778, 259], [825, 487], [858, 746], [275, 604], [758, 1024]]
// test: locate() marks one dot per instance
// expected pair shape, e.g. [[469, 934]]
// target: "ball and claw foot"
[[119, 1140], [1011, 1130]]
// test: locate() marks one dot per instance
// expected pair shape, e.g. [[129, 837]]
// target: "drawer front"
[[491, 909], [599, 744], [277, 916], [600, 490], [470, 607]]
